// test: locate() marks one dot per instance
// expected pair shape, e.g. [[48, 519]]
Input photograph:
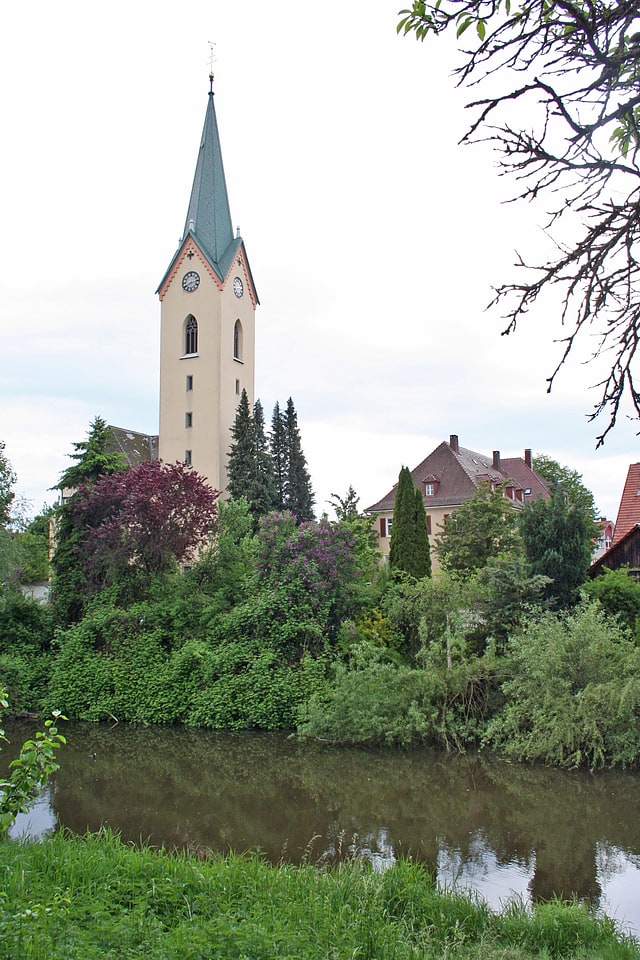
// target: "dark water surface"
[[499, 828]]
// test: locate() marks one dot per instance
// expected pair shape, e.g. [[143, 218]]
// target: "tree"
[[563, 111], [618, 593], [279, 457], [571, 482], [484, 526], [141, 524], [241, 466], [263, 498], [298, 495], [94, 457], [409, 547], [557, 543], [346, 508], [7, 481]]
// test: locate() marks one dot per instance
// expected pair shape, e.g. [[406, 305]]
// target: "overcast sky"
[[374, 239]]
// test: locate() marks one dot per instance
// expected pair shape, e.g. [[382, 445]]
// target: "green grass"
[[95, 897]]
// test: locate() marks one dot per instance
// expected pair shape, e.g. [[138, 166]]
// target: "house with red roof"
[[625, 546], [450, 476]]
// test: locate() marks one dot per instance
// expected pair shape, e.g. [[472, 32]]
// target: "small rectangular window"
[[429, 524], [187, 457], [429, 489], [189, 381], [188, 419], [385, 526], [237, 388]]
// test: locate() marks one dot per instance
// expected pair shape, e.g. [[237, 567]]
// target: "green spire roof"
[[208, 217]]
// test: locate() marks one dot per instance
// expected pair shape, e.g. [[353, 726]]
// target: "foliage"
[[506, 592], [139, 525], [7, 481], [573, 697], [30, 552], [224, 568], [29, 771], [298, 494], [409, 550], [555, 475], [313, 563], [619, 594], [484, 526], [96, 897], [346, 508], [373, 701], [557, 540], [250, 469], [95, 458], [562, 109], [25, 638]]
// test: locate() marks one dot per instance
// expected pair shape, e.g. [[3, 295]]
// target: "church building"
[[207, 340]]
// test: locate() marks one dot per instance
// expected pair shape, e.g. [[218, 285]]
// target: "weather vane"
[[212, 57]]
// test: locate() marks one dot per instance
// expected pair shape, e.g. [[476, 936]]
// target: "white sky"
[[373, 237]]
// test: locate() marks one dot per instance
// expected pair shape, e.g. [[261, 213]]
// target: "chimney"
[[496, 460], [453, 443], [528, 459]]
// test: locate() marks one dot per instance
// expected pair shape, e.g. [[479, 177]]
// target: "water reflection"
[[495, 827]]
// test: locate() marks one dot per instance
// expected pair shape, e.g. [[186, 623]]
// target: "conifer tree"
[[407, 550], [264, 497], [241, 467], [279, 457], [95, 457], [422, 566], [299, 498]]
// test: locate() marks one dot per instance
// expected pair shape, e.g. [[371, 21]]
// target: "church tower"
[[207, 339]]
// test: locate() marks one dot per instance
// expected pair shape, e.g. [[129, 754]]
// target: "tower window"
[[237, 341], [189, 381], [237, 388], [191, 335], [188, 419], [187, 457]]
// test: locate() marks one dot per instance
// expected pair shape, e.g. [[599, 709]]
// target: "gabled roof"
[[624, 552], [629, 509], [208, 219], [135, 447], [460, 471]]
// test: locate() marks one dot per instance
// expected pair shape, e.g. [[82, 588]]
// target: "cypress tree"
[[423, 551], [409, 549], [403, 546], [299, 498]]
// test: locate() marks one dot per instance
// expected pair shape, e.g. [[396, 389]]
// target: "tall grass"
[[95, 897]]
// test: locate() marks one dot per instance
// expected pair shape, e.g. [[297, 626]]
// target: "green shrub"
[[374, 701], [573, 697]]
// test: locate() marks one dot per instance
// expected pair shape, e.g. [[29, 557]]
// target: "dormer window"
[[431, 487]]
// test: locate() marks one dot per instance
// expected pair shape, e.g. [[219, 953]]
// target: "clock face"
[[238, 289], [190, 281]]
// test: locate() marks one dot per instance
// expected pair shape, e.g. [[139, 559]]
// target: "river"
[[497, 828]]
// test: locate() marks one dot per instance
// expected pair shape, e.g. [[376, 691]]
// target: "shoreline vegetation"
[[96, 897]]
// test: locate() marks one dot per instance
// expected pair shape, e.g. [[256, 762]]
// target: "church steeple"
[[207, 337], [208, 217]]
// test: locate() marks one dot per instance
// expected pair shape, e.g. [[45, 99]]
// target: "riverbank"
[[96, 897]]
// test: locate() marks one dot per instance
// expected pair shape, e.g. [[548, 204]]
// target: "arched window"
[[237, 341], [191, 335]]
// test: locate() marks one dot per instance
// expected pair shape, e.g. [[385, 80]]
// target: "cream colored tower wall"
[[217, 376]]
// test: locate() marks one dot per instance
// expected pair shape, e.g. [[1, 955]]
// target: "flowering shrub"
[[314, 562]]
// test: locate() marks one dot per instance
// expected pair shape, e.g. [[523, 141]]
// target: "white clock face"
[[190, 281], [238, 289]]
